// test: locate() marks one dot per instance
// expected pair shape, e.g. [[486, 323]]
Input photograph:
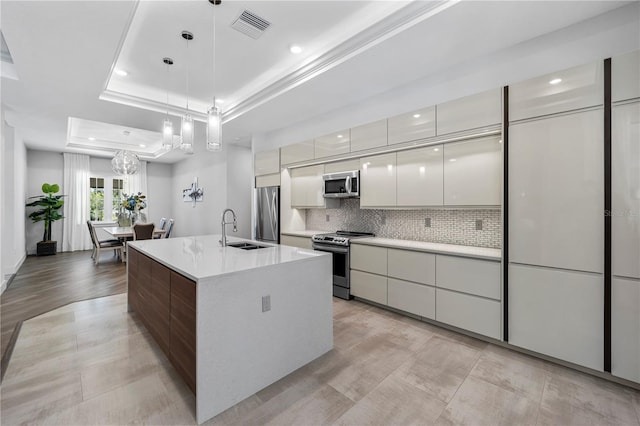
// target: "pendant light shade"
[[186, 134], [125, 162], [167, 134], [214, 129], [214, 114], [186, 127], [167, 124]]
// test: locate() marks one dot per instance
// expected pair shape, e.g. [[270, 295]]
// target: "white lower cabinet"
[[412, 266], [468, 312], [294, 241], [625, 328], [473, 276], [410, 297], [369, 258], [557, 313], [369, 286]]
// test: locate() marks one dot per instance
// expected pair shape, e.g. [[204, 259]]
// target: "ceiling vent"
[[251, 24]]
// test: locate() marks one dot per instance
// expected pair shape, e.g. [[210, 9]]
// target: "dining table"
[[126, 232]]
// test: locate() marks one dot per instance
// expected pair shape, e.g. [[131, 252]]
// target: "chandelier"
[[125, 162]]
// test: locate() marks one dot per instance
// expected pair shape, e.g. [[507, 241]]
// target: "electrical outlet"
[[266, 303], [327, 218], [478, 224], [427, 222]]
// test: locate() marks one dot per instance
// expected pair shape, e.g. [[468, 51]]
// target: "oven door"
[[340, 267], [342, 185]]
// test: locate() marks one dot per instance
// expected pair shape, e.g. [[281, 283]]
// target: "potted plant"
[[49, 212]]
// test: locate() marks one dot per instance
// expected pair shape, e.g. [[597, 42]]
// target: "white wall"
[[43, 166], [239, 187], [604, 36], [159, 187]]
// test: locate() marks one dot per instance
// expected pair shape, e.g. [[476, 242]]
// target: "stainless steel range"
[[338, 245]]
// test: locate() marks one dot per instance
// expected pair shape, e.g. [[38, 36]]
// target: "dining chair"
[[163, 223], [143, 231], [169, 228], [99, 246]]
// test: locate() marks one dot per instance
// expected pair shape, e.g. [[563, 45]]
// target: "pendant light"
[[167, 125], [125, 162], [186, 128], [214, 115]]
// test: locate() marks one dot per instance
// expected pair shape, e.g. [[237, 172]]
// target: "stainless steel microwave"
[[342, 185]]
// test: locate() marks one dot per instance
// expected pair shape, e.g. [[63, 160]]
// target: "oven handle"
[[330, 249]]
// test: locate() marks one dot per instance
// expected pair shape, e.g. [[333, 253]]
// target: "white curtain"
[[132, 184], [75, 234]]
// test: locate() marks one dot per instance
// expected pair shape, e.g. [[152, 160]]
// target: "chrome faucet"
[[223, 241]]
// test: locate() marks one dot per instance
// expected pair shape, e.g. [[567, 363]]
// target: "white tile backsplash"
[[450, 226]]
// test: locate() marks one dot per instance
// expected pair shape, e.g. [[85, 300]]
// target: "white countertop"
[[202, 256], [453, 249], [305, 233]]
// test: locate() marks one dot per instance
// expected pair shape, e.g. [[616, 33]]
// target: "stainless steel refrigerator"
[[267, 218]]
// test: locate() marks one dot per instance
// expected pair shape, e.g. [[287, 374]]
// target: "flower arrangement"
[[135, 202]]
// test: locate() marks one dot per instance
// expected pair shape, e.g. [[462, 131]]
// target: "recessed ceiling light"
[[295, 49], [142, 145], [121, 73], [555, 81], [416, 115], [340, 136], [91, 138]]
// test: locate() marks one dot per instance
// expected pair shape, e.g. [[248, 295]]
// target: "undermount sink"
[[246, 246]]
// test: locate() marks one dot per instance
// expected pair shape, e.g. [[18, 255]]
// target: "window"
[[96, 199], [104, 201]]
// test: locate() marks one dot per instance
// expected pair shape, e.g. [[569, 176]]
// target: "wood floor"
[[92, 362], [48, 282]]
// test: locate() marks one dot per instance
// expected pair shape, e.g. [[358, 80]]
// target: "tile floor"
[[93, 363]]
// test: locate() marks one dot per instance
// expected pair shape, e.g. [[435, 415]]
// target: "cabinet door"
[[414, 298], [625, 77], [413, 266], [473, 172], [306, 187], [556, 192], [625, 176], [625, 328], [266, 162], [297, 152], [412, 126], [473, 276], [133, 287], [378, 181], [342, 166], [471, 112], [419, 181], [160, 305], [372, 135], [369, 286], [561, 91], [294, 241], [557, 313], [369, 258], [183, 328], [268, 180], [472, 313], [333, 144]]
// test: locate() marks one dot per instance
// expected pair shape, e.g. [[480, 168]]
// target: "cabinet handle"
[[347, 184]]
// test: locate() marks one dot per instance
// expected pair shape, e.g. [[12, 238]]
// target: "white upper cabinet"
[[297, 152], [471, 112], [266, 162], [561, 91], [556, 192], [625, 182], [342, 166], [378, 181], [372, 135], [625, 77], [306, 187], [412, 126], [473, 172], [333, 144], [419, 177]]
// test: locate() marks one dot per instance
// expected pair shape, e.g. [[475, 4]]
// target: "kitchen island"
[[231, 321]]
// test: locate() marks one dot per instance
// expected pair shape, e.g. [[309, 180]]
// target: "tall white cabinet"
[[625, 217], [556, 204]]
